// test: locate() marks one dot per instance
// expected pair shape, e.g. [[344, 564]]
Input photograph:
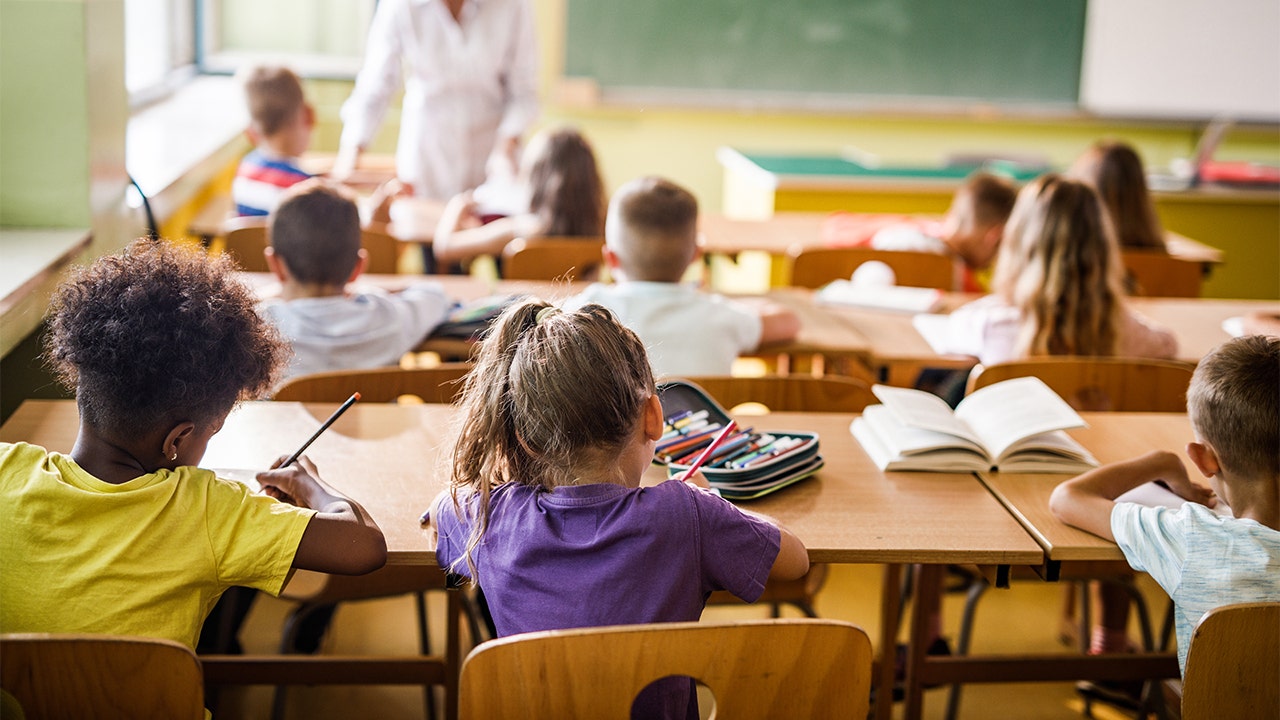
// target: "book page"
[[933, 328], [902, 440], [949, 458], [1153, 494], [926, 411], [1007, 412]]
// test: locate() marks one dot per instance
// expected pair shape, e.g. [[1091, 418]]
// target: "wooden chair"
[[440, 384], [1233, 664], [75, 676], [552, 258], [814, 267], [1159, 274], [382, 250], [761, 669], [315, 591], [244, 240], [1107, 384], [781, 394], [1101, 383]]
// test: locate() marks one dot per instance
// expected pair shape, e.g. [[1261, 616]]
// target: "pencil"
[[697, 462], [336, 414]]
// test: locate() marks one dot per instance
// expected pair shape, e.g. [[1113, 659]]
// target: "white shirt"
[[365, 329], [988, 329], [1201, 559], [687, 332], [466, 84]]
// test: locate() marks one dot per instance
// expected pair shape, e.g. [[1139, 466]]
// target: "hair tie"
[[544, 313]]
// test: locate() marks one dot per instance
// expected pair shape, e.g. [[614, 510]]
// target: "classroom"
[[790, 123]]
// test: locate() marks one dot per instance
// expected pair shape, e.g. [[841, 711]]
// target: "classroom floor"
[[1023, 619]]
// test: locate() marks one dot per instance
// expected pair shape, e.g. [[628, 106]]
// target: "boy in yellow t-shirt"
[[125, 535]]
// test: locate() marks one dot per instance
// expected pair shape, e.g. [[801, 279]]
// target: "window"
[[159, 42], [317, 38]]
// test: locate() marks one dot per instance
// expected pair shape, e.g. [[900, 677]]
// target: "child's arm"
[[460, 237], [1086, 501], [341, 538], [793, 557], [777, 324]]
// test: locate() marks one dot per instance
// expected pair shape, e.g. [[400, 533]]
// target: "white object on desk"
[[1153, 494], [933, 328], [880, 297], [1234, 326]]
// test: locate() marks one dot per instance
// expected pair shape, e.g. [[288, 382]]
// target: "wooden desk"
[[782, 232], [1111, 437], [897, 350], [387, 456], [1244, 223]]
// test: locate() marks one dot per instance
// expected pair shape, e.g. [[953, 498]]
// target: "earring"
[[174, 456]]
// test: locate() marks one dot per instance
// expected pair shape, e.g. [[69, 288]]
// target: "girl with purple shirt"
[[546, 512]]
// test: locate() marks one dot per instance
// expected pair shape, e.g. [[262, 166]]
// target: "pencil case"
[[759, 478]]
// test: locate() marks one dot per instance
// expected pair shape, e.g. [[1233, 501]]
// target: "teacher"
[[470, 90]]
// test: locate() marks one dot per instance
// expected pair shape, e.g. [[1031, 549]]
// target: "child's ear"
[[1204, 458], [275, 264], [362, 261], [653, 417], [610, 259], [175, 438]]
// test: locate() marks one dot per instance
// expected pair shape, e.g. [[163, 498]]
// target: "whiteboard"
[[1182, 59]]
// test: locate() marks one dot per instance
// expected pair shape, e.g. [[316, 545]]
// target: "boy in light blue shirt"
[[1203, 560]]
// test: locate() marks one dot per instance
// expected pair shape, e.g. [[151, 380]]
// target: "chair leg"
[[424, 647], [976, 589]]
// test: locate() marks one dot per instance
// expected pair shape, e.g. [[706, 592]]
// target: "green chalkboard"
[[898, 51]]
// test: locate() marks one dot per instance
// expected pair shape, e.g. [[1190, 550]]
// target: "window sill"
[[176, 146], [33, 263]]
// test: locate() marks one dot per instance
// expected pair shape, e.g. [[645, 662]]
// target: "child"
[[1057, 286], [559, 423], [651, 238], [1115, 171], [563, 196], [315, 252], [1201, 559], [280, 124], [125, 535], [970, 232], [1057, 291]]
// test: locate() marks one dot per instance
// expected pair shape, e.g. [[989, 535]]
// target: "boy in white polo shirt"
[[651, 238]]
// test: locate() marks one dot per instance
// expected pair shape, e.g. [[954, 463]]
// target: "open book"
[[1014, 426]]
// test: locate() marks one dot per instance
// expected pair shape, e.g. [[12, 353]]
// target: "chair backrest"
[[1159, 274], [1233, 665], [382, 249], [552, 258], [1101, 383], [246, 237], [244, 240], [71, 676], [762, 669], [440, 384], [782, 393], [814, 267]]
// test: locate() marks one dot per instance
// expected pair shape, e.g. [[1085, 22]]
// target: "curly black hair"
[[159, 334]]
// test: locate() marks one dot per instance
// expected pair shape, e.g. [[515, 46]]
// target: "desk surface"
[[388, 457], [785, 231], [1111, 437]]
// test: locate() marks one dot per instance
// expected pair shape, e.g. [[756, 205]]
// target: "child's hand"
[[292, 483], [696, 479], [384, 197], [1168, 470]]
